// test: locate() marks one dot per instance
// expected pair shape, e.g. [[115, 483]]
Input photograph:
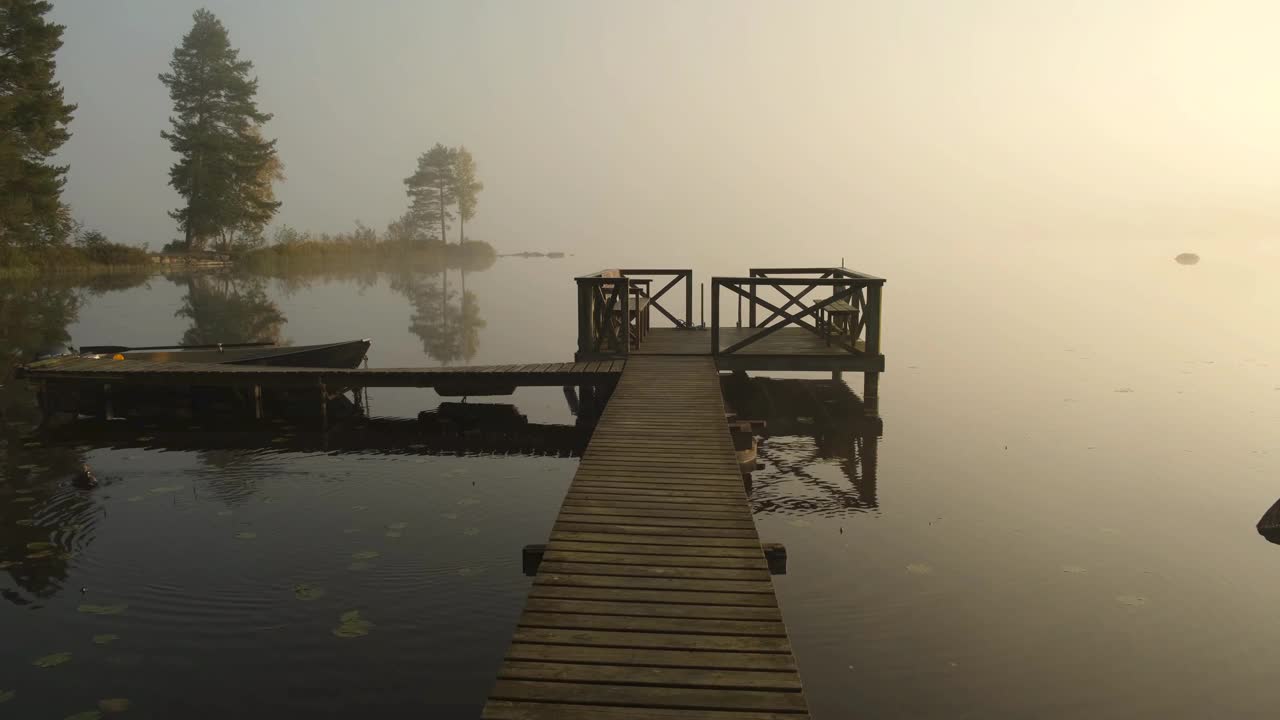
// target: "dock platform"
[[653, 598]]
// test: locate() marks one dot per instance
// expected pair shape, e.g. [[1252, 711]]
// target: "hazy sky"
[[777, 126]]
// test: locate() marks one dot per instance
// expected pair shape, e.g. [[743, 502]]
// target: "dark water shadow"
[[810, 424]]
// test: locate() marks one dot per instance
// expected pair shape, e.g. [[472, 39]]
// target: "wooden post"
[[688, 299], [257, 402], [837, 375], [584, 319], [739, 311], [751, 309], [871, 392], [324, 407], [715, 317], [874, 297]]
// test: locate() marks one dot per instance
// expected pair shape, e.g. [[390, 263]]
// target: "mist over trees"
[[445, 180], [225, 166], [33, 125]]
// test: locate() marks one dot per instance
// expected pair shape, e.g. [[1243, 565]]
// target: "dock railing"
[[851, 312], [605, 318]]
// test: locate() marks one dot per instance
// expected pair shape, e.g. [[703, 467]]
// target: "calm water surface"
[[1057, 520]]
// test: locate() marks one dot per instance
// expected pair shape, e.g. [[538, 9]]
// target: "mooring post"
[[837, 375], [257, 402], [871, 392], [324, 407]]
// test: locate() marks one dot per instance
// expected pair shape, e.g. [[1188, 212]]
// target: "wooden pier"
[[653, 598]]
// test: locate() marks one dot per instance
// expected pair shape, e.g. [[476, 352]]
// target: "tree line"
[[226, 168]]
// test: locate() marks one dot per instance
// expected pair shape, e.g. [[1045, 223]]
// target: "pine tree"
[[33, 125], [465, 188], [430, 190], [225, 165]]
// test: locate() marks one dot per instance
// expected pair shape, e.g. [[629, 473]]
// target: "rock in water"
[[1187, 259], [1269, 525]]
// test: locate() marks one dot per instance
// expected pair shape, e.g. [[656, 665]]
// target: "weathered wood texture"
[[786, 349], [105, 370], [653, 599]]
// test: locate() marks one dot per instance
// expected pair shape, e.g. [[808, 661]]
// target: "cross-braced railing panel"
[[645, 276], [839, 305]]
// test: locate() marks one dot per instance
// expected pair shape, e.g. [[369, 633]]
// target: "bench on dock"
[[637, 313], [839, 318]]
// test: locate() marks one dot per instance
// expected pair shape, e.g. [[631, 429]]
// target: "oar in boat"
[[103, 349]]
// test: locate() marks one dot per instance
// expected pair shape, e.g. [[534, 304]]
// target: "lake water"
[[1057, 522]]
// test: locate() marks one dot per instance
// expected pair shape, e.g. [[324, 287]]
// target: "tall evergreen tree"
[[430, 190], [223, 157], [465, 188], [33, 125]]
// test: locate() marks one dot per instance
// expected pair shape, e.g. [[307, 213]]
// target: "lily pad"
[[397, 526], [28, 466], [246, 535], [105, 639], [23, 499], [40, 555], [351, 625], [305, 591], [920, 569], [52, 660], [471, 532], [7, 695], [91, 609], [25, 522], [113, 705], [6, 564], [86, 715], [40, 545], [365, 555]]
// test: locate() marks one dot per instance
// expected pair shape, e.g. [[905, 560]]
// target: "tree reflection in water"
[[44, 520], [447, 321], [227, 308]]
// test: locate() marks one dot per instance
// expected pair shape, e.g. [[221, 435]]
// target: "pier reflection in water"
[[811, 425]]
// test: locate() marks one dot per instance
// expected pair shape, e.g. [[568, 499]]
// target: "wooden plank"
[[622, 582], [572, 592], [555, 554], [750, 551], [659, 676], [662, 610], [653, 641], [627, 695], [581, 567], [620, 623], [539, 652], [514, 710]]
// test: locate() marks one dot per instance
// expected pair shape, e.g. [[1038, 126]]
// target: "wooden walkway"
[[653, 599], [142, 372]]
